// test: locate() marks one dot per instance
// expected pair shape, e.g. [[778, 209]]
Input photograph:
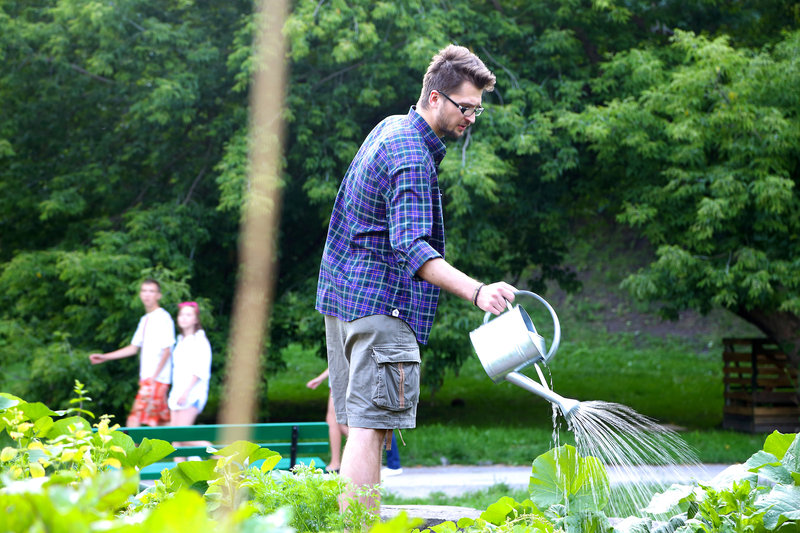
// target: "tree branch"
[[81, 70], [514, 81], [337, 73], [316, 10], [196, 181]]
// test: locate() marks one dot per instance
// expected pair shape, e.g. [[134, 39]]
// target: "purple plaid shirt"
[[386, 222]]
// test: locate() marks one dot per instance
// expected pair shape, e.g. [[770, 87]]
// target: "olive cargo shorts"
[[374, 372]]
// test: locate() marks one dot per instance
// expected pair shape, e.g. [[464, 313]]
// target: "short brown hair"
[[452, 66], [151, 281]]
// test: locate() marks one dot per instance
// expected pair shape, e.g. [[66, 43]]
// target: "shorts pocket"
[[397, 383]]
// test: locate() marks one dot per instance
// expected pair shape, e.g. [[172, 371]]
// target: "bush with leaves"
[[65, 474]]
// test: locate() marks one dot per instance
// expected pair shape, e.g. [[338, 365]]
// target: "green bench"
[[297, 442]]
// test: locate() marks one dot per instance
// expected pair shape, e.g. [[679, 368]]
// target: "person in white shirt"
[[154, 338], [191, 371], [191, 367]]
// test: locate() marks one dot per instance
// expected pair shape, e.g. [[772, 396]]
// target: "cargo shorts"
[[373, 365]]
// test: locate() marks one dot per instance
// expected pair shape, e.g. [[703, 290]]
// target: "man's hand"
[[492, 298], [127, 351], [314, 383]]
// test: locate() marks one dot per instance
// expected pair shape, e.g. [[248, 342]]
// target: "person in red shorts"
[[155, 337]]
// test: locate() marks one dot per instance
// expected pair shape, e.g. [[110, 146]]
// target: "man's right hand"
[[97, 358], [493, 297]]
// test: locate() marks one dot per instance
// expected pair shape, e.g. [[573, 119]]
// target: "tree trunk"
[[780, 326]]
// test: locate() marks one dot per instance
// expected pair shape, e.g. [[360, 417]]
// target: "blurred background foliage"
[[123, 155]]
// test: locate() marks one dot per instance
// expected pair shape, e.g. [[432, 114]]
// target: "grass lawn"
[[471, 420]]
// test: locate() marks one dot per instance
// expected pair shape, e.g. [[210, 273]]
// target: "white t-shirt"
[[156, 331], [191, 357]]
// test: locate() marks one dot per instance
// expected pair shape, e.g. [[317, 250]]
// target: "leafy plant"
[[567, 492], [65, 475], [760, 495]]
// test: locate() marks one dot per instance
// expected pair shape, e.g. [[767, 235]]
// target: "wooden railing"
[[761, 387]]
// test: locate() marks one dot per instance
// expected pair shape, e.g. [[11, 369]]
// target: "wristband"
[[476, 293]]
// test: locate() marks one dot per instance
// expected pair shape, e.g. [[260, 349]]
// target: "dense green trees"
[[701, 142], [114, 117], [123, 153]]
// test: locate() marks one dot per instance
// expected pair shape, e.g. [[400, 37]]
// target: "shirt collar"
[[434, 143]]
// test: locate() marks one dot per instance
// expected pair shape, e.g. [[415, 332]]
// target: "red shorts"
[[150, 406]]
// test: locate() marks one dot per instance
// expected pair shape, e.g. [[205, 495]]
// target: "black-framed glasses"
[[466, 111]]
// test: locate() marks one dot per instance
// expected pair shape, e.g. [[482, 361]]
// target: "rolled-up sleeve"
[[410, 210]]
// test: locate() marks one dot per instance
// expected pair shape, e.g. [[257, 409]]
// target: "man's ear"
[[434, 99]]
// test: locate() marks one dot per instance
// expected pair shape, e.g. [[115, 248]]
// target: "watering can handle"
[[556, 323]]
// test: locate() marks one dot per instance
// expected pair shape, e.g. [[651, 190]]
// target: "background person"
[[154, 336], [335, 430], [191, 370], [393, 466], [383, 264]]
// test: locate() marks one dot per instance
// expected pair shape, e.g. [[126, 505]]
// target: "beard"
[[451, 131]]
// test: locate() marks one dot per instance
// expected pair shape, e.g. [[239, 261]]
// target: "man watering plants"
[[383, 264]]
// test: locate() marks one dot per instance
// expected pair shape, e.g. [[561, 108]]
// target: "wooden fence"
[[761, 389]]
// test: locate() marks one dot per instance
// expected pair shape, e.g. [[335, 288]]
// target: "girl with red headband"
[[191, 368]]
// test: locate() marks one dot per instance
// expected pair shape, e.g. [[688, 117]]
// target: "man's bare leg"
[[361, 464]]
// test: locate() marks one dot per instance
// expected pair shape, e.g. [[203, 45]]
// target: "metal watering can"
[[510, 342]]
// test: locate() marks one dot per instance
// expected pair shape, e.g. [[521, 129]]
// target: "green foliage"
[[760, 495], [698, 143], [567, 492], [311, 498], [68, 449], [61, 475], [123, 153], [77, 492], [561, 476]]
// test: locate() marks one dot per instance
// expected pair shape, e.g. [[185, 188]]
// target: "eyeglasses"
[[466, 111]]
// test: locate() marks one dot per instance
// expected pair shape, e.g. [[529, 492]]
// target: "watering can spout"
[[568, 406]]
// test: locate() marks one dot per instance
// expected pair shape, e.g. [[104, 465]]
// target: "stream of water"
[[645, 451]]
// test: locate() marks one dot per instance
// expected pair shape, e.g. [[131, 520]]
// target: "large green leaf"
[[67, 426], [129, 456], [733, 474], [562, 476], [150, 451], [768, 466], [791, 459], [780, 505], [777, 443], [243, 452], [675, 496], [8, 400], [188, 473], [35, 410], [507, 508]]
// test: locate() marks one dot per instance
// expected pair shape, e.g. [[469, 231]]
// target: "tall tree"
[[123, 152], [699, 143], [112, 115]]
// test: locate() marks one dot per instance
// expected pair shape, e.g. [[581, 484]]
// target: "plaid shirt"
[[386, 222]]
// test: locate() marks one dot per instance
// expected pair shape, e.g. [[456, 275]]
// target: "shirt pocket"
[[397, 384]]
